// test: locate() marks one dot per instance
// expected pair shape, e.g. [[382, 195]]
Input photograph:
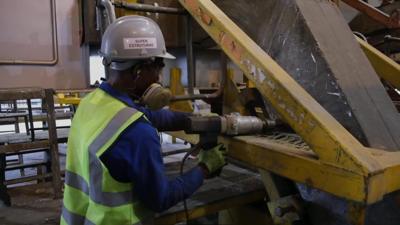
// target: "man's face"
[[147, 74]]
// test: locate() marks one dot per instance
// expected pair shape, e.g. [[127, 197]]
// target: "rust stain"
[[237, 51], [230, 45], [191, 4], [205, 18]]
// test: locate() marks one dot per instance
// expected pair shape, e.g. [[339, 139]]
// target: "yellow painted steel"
[[231, 97], [67, 100], [328, 138], [384, 66], [70, 97], [297, 165], [176, 87], [338, 159], [304, 166], [124, 12]]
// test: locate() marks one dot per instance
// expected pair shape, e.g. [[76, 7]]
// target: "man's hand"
[[212, 160]]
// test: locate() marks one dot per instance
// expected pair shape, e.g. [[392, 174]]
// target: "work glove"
[[213, 159]]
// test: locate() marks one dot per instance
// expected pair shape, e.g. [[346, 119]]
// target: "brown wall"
[[71, 70]]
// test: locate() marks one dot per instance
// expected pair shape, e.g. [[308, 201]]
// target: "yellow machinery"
[[324, 155], [335, 161], [386, 68]]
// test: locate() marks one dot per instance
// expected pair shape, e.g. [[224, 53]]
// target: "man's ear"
[[135, 72]]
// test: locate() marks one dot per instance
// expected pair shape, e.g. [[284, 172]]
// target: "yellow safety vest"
[[91, 195]]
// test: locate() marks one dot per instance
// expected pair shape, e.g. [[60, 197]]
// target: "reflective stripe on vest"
[[95, 169], [72, 218], [96, 172], [92, 196]]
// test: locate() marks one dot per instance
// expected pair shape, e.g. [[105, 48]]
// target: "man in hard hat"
[[114, 169]]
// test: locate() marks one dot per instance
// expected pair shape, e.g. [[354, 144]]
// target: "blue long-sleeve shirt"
[[136, 157]]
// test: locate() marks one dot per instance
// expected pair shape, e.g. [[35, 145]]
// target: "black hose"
[[196, 147]]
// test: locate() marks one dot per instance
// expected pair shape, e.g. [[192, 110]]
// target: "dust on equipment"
[[311, 118]]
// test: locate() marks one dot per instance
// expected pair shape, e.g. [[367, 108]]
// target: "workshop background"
[[322, 77]]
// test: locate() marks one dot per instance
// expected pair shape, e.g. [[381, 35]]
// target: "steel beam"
[[300, 166], [374, 13], [303, 166], [21, 93], [330, 140], [384, 66], [365, 175]]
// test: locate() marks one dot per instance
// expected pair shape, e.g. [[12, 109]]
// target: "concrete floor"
[[31, 205]]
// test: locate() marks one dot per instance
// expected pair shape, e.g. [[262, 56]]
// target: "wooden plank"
[[58, 115], [54, 158], [210, 208], [21, 93], [234, 187], [27, 179], [13, 138], [14, 148], [25, 165], [11, 115]]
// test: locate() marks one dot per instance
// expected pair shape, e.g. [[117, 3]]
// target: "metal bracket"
[[286, 210]]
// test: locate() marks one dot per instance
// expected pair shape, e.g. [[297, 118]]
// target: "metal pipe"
[[149, 8], [192, 97], [98, 19], [360, 35], [391, 38], [105, 15], [217, 93], [109, 7], [52, 61], [235, 124], [189, 55]]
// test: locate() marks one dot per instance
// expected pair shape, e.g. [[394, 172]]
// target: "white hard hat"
[[130, 39]]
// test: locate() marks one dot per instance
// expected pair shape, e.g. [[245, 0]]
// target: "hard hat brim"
[[166, 56], [120, 66]]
